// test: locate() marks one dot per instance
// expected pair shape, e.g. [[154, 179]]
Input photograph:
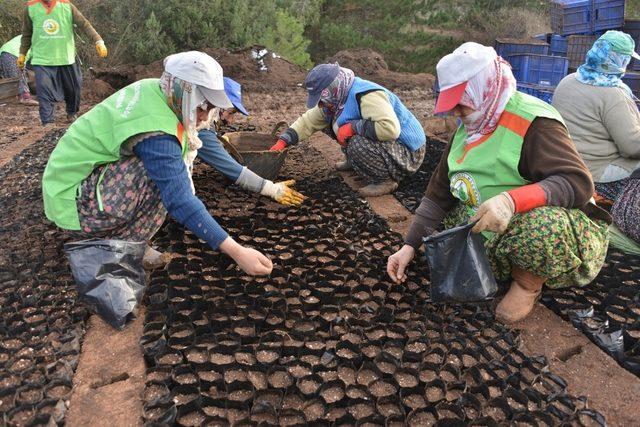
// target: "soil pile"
[[256, 68], [371, 65]]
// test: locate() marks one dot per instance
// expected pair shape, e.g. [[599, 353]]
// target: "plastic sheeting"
[[109, 276], [460, 271]]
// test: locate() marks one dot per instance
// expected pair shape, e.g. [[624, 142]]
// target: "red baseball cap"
[[449, 98], [456, 69]]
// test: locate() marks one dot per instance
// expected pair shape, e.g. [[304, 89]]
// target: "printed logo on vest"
[[464, 188], [51, 27]]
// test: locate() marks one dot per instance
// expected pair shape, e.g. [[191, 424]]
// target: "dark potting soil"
[[41, 322], [412, 189], [608, 309], [374, 333]]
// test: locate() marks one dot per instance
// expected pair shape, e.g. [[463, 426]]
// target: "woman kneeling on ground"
[[600, 112], [123, 165], [215, 155], [512, 167], [382, 140]]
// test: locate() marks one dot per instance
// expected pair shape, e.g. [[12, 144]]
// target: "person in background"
[[214, 154], [126, 163], [47, 29], [626, 214], [601, 114], [382, 140], [512, 167], [9, 69]]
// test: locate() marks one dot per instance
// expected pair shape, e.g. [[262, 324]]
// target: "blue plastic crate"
[[544, 70], [558, 45], [509, 47], [608, 14], [571, 17], [544, 93]]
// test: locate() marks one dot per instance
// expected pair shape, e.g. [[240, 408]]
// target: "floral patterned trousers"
[[563, 245]]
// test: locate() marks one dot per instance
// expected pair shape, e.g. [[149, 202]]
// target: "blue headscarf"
[[604, 67]]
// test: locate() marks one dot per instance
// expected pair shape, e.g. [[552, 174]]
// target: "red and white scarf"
[[488, 93]]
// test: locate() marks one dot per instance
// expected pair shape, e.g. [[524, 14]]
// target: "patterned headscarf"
[[604, 67], [184, 99], [335, 95], [488, 93]]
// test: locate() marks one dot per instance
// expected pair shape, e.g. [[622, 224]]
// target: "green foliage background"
[[411, 34]]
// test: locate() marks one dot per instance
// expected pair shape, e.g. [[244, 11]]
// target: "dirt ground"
[[110, 376]]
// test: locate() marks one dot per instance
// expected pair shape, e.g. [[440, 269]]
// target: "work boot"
[[344, 166], [72, 118], [523, 294], [375, 190], [153, 259]]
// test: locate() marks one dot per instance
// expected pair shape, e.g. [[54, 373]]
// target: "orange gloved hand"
[[101, 49], [279, 146], [344, 133]]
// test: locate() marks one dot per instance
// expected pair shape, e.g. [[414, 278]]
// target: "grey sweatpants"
[[55, 84]]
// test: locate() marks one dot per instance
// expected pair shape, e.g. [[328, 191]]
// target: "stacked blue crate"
[[572, 22], [544, 93], [586, 16], [508, 47]]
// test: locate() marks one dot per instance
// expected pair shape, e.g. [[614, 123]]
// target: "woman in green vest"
[[122, 166], [48, 29], [9, 69], [513, 168]]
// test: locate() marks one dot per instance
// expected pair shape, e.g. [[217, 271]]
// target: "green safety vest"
[[489, 166], [13, 47], [96, 138], [52, 40]]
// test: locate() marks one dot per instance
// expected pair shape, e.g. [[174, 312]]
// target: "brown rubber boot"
[[375, 190], [344, 166], [523, 294], [152, 259]]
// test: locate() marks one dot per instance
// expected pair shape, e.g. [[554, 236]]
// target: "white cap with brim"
[[200, 69], [457, 68]]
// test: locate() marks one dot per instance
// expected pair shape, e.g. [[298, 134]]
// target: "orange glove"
[[344, 133], [21, 60], [101, 49], [279, 146]]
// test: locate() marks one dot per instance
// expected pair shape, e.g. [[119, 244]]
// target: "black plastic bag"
[[109, 276], [460, 271]]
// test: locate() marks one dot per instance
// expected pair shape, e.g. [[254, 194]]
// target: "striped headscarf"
[[335, 95]]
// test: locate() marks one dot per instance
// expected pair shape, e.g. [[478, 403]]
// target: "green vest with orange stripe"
[[489, 166], [52, 39], [96, 138]]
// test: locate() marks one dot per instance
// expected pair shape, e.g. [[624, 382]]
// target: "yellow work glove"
[[101, 48], [21, 61], [494, 214], [282, 192]]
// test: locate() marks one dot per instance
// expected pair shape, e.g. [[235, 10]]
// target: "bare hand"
[[398, 262], [249, 260]]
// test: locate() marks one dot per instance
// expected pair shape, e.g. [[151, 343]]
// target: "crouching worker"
[[626, 216], [601, 113], [512, 167], [9, 69], [214, 154], [382, 140], [123, 165]]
